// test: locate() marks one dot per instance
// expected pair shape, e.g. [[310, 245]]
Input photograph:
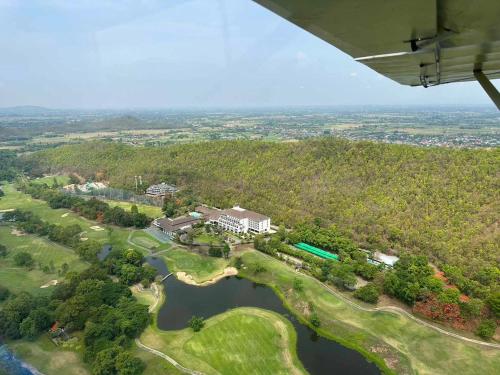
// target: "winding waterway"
[[319, 356]]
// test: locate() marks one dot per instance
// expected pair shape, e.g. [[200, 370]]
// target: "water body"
[[319, 356], [103, 254], [10, 365]]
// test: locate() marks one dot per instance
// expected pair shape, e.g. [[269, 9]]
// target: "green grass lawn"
[[61, 180], [201, 267], [240, 341], [143, 239], [207, 238], [402, 342], [151, 211], [114, 235], [18, 279], [48, 358]]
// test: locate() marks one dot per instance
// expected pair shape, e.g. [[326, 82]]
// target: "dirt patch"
[[50, 283], [188, 279], [17, 233]]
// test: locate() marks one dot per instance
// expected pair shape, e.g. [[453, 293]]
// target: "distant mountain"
[[26, 110]]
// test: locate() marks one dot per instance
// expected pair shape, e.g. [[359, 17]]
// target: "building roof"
[[209, 213], [173, 225], [241, 213], [237, 212]]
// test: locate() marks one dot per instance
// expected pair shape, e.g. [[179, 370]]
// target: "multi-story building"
[[160, 190], [236, 219]]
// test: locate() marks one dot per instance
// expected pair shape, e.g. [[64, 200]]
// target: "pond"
[[319, 356]]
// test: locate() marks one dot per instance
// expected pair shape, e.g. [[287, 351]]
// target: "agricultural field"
[[396, 338], [200, 267], [240, 341], [43, 251]]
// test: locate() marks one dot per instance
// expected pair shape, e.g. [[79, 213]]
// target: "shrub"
[[196, 323], [314, 319], [486, 329], [4, 293], [368, 293], [23, 259]]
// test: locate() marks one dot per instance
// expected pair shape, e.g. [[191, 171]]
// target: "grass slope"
[[18, 279], [151, 211], [240, 341], [48, 358], [201, 267], [15, 199], [143, 239], [395, 338]]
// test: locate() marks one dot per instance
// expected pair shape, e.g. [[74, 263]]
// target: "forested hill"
[[437, 201]]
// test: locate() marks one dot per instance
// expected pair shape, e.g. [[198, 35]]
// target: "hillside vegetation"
[[436, 201]]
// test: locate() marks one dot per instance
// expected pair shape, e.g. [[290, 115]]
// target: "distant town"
[[28, 128]]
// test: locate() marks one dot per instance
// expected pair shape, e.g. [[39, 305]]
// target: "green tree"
[[494, 303], [4, 293], [368, 293], [298, 285], [23, 259], [196, 323], [486, 329], [3, 251], [314, 319], [134, 209], [126, 364]]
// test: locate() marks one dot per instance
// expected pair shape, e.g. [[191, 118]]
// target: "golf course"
[[240, 340]]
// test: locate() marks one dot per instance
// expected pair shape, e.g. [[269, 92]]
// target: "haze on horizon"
[[199, 53]]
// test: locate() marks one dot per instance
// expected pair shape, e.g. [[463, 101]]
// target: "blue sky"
[[177, 53]]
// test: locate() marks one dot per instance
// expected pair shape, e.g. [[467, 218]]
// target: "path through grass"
[[401, 341]]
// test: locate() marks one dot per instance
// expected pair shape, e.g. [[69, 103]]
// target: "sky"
[[184, 53]]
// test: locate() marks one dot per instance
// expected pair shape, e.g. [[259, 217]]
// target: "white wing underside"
[[413, 42]]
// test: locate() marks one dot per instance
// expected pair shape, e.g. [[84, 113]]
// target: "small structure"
[[236, 219], [171, 227], [316, 251], [85, 188], [387, 260], [161, 190]]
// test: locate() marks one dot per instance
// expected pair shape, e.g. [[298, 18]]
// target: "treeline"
[[92, 209]]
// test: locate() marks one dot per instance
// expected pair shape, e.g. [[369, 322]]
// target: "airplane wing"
[[413, 42]]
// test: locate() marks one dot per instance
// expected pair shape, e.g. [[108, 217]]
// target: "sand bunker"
[[64, 215], [50, 283], [17, 233], [188, 279], [97, 228], [83, 239]]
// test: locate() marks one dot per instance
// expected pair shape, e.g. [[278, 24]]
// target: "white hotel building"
[[236, 219]]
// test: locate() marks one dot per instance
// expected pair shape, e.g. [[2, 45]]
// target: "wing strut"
[[488, 87]]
